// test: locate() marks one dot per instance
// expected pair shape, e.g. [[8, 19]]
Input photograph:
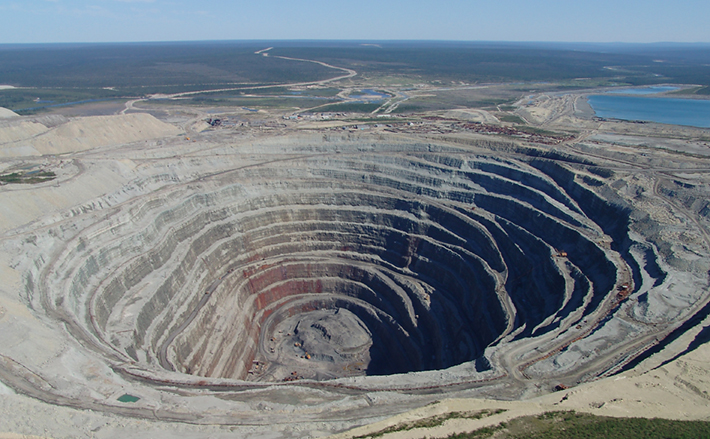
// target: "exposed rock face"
[[354, 263], [435, 256]]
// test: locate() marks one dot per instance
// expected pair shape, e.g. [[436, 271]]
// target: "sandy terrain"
[[103, 108], [89, 133], [23, 130], [679, 390], [5, 113], [472, 115]]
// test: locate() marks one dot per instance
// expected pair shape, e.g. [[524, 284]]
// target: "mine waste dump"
[[359, 260]]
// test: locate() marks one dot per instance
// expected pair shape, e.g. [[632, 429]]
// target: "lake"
[[368, 94], [645, 90], [689, 112]]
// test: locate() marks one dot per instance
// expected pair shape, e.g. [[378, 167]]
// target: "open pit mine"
[[279, 283]]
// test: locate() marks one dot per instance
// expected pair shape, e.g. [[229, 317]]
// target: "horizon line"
[[337, 40]]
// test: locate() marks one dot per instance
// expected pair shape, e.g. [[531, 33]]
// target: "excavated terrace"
[[347, 264]]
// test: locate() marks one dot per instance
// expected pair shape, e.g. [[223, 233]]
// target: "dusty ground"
[[5, 113], [678, 390]]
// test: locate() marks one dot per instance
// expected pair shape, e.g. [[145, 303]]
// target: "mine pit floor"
[[317, 345]]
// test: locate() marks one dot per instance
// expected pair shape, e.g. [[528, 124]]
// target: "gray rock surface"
[[334, 279]]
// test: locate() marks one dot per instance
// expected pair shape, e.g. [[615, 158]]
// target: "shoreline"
[[582, 108]]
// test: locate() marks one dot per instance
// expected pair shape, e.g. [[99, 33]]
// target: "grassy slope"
[[571, 425]]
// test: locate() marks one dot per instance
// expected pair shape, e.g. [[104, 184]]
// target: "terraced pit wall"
[[363, 264], [440, 254]]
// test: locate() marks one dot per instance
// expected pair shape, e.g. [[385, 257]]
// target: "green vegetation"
[[510, 118], [61, 74], [571, 425], [58, 74], [284, 91], [277, 91], [27, 177], [511, 62], [243, 101], [150, 67], [24, 101], [322, 92], [272, 97], [411, 108], [703, 91], [348, 108], [459, 98], [432, 421]]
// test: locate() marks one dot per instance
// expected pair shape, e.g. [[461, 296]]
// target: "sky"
[[631, 21]]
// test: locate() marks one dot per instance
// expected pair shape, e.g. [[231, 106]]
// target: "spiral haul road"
[[338, 278]]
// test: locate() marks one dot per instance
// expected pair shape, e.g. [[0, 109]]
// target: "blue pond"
[[368, 94], [689, 112], [645, 90]]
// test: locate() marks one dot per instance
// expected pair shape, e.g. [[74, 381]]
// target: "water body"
[[688, 112], [368, 94], [645, 90]]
